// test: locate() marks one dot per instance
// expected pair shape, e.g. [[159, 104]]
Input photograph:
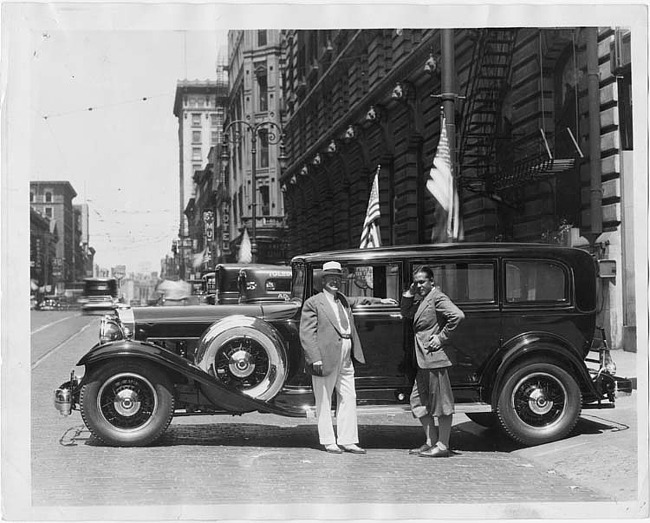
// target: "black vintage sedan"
[[519, 358]]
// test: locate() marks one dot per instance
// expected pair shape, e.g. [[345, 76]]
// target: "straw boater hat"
[[332, 268]]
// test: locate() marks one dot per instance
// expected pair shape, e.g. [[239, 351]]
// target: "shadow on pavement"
[[466, 436], [399, 437]]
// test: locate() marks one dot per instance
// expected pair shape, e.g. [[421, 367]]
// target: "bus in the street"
[[99, 295]]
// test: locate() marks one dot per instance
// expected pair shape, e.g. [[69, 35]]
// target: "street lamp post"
[[274, 136]]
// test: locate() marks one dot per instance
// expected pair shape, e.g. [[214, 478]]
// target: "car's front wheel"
[[127, 403], [539, 402]]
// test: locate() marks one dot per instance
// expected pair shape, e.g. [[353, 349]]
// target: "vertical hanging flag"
[[245, 250], [199, 258], [446, 226], [370, 236]]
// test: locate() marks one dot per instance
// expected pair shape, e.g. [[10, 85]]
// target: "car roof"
[[460, 249], [238, 266]]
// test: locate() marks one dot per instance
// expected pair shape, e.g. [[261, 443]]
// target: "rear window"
[[536, 281]]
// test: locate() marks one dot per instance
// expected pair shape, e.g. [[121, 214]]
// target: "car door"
[[471, 284], [380, 328]]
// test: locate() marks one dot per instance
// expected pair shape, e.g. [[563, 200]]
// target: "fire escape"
[[487, 85], [482, 170]]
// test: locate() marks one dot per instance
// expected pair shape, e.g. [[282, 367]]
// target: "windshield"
[[298, 282], [228, 280]]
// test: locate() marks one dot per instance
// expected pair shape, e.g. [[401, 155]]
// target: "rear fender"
[[542, 345], [221, 396]]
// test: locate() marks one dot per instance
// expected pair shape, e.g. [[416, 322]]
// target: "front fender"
[[538, 344], [221, 396]]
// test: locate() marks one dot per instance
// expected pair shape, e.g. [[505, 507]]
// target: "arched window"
[[567, 79]]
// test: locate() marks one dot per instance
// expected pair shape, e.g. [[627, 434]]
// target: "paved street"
[[235, 464]]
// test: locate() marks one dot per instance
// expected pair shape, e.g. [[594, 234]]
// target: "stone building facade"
[[200, 109], [43, 237], [255, 94], [53, 199], [543, 141]]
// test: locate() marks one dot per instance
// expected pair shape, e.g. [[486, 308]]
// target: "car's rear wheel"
[[250, 360], [539, 402], [127, 403]]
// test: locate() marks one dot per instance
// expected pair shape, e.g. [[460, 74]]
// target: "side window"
[[381, 280], [535, 281], [278, 285], [465, 282]]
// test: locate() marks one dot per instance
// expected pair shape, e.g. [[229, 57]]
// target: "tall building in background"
[[255, 94], [53, 199], [43, 237], [199, 107], [84, 253]]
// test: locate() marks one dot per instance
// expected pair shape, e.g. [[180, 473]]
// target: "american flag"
[[441, 185], [201, 257], [370, 236]]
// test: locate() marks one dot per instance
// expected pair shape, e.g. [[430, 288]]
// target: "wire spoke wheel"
[[539, 399], [244, 354], [127, 403], [242, 364], [539, 402]]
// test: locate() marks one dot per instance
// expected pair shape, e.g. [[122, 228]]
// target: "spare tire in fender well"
[[245, 354]]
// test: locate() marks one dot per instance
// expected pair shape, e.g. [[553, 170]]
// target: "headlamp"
[[110, 330]]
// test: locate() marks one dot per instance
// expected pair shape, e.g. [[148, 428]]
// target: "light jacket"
[[434, 315], [320, 334]]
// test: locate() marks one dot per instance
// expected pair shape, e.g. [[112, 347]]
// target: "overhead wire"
[[105, 106]]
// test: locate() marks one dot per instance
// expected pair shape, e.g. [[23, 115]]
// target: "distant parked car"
[[519, 358], [50, 303]]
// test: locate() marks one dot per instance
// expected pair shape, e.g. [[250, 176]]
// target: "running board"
[[388, 410]]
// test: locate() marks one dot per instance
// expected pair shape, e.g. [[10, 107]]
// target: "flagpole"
[[449, 99], [449, 96]]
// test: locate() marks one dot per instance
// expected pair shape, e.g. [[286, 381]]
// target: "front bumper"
[[66, 397], [608, 387]]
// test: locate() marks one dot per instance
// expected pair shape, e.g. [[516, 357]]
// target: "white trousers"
[[341, 380]]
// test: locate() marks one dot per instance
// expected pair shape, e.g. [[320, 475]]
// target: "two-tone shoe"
[[435, 452], [353, 449], [423, 448]]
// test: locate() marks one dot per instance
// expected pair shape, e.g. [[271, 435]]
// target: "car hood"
[[193, 320]]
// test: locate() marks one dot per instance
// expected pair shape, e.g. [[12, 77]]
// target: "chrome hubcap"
[[539, 399], [127, 402], [539, 403], [241, 364]]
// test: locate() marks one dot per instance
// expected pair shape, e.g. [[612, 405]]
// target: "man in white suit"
[[330, 341]]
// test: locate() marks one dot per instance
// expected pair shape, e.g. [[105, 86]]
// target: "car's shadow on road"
[[466, 436]]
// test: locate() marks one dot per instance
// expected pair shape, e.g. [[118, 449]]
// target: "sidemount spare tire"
[[539, 402], [127, 403], [245, 354]]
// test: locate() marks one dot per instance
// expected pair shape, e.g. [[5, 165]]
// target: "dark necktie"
[[345, 325]]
